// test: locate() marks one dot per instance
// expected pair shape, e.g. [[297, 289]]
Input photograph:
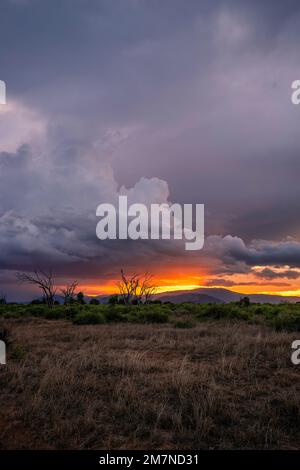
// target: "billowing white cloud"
[[18, 125]]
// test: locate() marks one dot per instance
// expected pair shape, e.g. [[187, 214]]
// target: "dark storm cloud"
[[234, 252], [284, 253]]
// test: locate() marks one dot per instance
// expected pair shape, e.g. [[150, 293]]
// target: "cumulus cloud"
[[49, 190], [147, 190], [18, 125]]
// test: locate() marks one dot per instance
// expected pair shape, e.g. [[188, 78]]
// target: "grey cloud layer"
[[106, 93], [268, 273], [236, 256]]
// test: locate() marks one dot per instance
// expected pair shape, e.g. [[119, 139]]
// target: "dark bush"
[[183, 324], [89, 318], [288, 321], [115, 313], [225, 311], [142, 314]]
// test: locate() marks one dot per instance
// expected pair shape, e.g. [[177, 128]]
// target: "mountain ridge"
[[222, 295], [203, 295]]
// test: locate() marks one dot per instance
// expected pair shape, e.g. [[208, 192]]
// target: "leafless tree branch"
[[135, 289], [43, 280], [69, 292]]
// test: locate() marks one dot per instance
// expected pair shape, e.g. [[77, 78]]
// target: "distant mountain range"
[[205, 295], [219, 295]]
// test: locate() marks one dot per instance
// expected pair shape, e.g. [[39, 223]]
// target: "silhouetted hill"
[[219, 295], [189, 296], [204, 295]]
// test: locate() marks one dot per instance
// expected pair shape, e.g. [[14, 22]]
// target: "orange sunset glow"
[[240, 283]]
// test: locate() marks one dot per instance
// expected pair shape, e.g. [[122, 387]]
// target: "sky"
[[164, 101]]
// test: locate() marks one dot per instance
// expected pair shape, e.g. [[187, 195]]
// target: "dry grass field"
[[221, 384]]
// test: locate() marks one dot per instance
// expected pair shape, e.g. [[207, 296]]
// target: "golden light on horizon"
[[243, 283], [177, 287], [96, 290], [110, 289], [286, 293]]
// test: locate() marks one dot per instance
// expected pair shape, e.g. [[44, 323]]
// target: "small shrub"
[[35, 310], [70, 312], [18, 353], [213, 311], [115, 314], [224, 311], [183, 324], [244, 302], [148, 316], [285, 321], [55, 313], [89, 318]]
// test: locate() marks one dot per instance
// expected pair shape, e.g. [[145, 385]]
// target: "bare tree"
[[127, 287], [2, 299], [69, 292], [135, 289], [147, 288], [44, 281]]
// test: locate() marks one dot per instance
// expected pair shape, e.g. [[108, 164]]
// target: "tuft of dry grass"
[[217, 385]]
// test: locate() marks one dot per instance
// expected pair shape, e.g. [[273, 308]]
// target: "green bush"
[[35, 310], [55, 314], [89, 318], [224, 311], [116, 313], [284, 316], [145, 315], [285, 321]]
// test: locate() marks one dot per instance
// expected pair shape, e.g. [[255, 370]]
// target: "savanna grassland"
[[150, 377]]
